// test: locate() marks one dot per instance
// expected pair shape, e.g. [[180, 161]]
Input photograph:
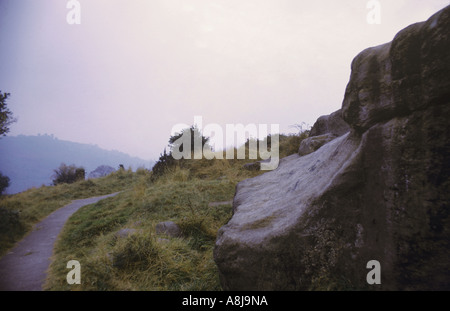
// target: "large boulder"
[[379, 192]]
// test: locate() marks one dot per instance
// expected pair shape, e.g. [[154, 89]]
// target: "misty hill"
[[29, 161]]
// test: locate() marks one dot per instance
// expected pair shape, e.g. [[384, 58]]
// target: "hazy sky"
[[133, 69]]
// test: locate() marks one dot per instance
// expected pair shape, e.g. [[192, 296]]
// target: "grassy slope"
[[144, 260], [33, 205]]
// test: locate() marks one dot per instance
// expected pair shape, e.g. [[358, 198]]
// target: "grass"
[[19, 212], [143, 260]]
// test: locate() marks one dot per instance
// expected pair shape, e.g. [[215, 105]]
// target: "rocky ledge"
[[379, 191]]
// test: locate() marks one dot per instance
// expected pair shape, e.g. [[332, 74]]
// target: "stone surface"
[[324, 130], [101, 171], [168, 228], [311, 144], [333, 124], [379, 192]]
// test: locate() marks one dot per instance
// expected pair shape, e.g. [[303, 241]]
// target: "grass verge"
[[144, 260]]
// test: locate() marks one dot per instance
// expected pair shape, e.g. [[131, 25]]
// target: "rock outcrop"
[[101, 171], [323, 131], [311, 144], [378, 192], [332, 124]]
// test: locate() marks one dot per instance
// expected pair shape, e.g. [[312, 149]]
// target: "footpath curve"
[[25, 266]]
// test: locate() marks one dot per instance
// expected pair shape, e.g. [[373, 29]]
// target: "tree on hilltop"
[[6, 116], [6, 119], [176, 141]]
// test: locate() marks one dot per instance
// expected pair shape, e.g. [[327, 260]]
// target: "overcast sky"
[[133, 69]]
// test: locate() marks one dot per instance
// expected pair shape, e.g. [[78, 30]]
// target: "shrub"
[[11, 226], [165, 162], [9, 221], [4, 183], [289, 144], [68, 174]]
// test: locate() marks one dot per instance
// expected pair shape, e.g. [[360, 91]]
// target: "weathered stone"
[[379, 192], [101, 171], [324, 130], [311, 144], [395, 79], [330, 124], [168, 228]]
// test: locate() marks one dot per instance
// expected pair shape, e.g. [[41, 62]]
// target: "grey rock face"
[[333, 124], [169, 228], [311, 144], [379, 192], [101, 171], [323, 131]]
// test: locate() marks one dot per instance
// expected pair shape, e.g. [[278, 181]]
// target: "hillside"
[[197, 198], [358, 203], [29, 161], [118, 240]]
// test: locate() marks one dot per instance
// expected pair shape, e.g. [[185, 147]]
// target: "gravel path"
[[24, 267]]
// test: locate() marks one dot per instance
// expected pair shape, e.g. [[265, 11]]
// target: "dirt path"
[[24, 267]]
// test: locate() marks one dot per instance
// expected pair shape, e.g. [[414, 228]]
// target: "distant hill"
[[29, 161]]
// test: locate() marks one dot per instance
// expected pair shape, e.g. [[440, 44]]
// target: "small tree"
[[4, 183], [6, 116], [174, 141], [165, 162], [6, 119], [68, 174]]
